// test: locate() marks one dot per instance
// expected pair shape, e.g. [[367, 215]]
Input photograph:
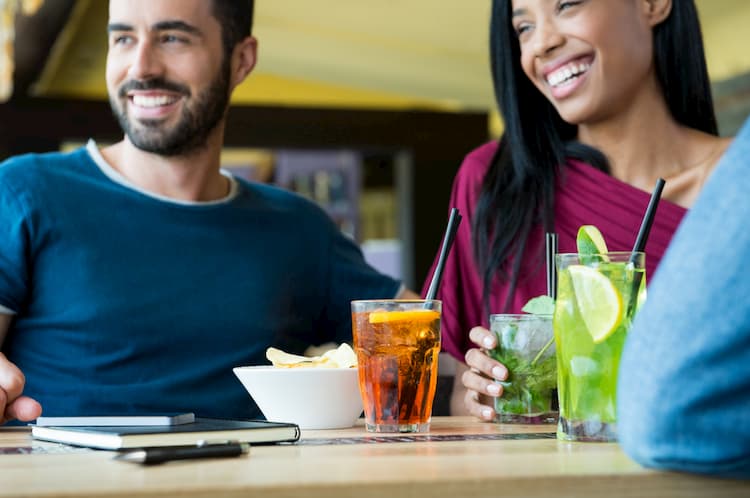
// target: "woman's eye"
[[522, 28], [567, 4]]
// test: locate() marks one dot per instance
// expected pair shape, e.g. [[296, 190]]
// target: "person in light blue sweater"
[[684, 386]]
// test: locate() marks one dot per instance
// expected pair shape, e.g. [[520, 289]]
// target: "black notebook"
[[202, 430]]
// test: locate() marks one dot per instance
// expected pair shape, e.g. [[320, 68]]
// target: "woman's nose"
[[546, 38]]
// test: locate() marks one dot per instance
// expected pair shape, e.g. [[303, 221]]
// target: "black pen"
[[150, 456]]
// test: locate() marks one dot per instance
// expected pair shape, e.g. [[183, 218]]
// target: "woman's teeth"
[[567, 72]]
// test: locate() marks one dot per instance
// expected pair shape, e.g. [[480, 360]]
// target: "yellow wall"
[[343, 53]]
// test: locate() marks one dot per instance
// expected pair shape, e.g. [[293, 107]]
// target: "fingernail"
[[488, 342], [500, 373], [493, 388], [487, 414]]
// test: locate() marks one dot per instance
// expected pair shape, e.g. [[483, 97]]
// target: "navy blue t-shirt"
[[125, 302]]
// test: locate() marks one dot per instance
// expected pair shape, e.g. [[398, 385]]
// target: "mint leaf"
[[528, 389], [540, 305]]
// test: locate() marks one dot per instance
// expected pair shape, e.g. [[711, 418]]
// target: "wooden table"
[[478, 466]]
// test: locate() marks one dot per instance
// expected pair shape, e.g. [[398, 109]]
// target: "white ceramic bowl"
[[313, 398]]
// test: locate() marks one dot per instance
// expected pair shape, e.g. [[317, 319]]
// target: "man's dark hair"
[[236, 20]]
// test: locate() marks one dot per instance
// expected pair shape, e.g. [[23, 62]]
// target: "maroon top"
[[584, 196]]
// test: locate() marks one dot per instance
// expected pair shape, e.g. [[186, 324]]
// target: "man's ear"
[[657, 10], [244, 57]]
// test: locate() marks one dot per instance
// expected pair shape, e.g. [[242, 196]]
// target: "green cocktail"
[[597, 297], [525, 346]]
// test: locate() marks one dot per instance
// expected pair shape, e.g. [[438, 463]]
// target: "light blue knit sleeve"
[[684, 385]]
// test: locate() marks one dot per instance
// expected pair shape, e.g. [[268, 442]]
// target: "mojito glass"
[[597, 298], [526, 347]]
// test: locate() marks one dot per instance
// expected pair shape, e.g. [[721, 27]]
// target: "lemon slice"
[[598, 301], [590, 240], [399, 316]]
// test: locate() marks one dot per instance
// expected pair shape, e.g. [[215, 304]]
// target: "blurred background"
[[366, 107]]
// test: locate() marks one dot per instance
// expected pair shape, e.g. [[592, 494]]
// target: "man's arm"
[[684, 392], [4, 326], [12, 404]]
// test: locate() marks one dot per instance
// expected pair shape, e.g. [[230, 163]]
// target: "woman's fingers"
[[479, 361], [483, 338], [474, 381], [474, 404], [481, 376]]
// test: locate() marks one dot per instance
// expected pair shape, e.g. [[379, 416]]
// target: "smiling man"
[[170, 73], [134, 277]]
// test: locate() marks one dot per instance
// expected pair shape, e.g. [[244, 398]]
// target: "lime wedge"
[[590, 240], [599, 302]]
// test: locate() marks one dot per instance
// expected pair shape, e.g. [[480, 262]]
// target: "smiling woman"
[[598, 53], [599, 99]]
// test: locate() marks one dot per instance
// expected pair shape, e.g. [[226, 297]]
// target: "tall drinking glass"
[[597, 298], [397, 344], [525, 346]]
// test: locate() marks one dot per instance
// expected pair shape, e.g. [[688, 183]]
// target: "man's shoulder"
[[31, 165], [278, 200]]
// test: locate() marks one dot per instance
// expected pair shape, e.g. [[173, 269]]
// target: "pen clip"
[[216, 442]]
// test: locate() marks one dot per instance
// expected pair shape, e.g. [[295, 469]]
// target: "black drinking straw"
[[551, 250], [408, 397], [648, 218], [550, 246], [450, 233], [640, 240]]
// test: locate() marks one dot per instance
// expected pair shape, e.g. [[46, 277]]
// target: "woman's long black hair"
[[518, 192]]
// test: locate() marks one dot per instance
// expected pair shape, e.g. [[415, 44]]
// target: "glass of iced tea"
[[397, 344]]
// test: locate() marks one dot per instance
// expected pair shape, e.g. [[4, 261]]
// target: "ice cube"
[[582, 366], [539, 333]]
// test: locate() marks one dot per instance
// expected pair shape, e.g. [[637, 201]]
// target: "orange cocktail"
[[397, 344]]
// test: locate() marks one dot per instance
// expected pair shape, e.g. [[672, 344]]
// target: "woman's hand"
[[478, 377]]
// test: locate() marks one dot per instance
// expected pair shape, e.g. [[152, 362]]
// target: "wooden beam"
[[35, 36]]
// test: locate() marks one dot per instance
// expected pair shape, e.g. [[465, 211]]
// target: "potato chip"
[[281, 358], [342, 357]]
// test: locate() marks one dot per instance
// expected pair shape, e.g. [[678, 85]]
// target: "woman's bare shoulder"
[[715, 148], [702, 153]]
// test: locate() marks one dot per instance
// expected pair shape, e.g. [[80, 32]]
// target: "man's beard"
[[194, 126]]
